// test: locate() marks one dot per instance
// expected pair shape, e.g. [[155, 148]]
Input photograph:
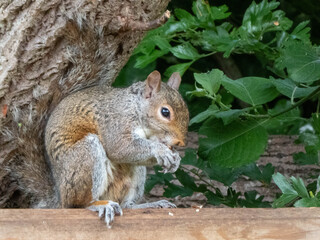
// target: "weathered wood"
[[219, 223]]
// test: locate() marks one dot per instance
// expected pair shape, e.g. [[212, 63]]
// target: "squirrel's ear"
[[174, 81], [153, 84]]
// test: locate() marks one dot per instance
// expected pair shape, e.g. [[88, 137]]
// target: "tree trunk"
[[48, 49]]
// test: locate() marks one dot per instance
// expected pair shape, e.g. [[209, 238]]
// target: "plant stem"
[[256, 115], [318, 107], [208, 54], [297, 104], [199, 176]]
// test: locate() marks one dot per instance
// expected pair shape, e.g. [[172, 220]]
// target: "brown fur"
[[119, 186]]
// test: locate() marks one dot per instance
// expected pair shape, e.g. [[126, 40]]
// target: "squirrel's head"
[[168, 115]]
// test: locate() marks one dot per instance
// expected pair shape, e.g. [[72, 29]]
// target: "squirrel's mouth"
[[172, 142]]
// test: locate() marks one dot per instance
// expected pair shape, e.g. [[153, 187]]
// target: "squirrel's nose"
[[179, 142]]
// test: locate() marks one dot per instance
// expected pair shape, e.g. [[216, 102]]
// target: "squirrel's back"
[[72, 120]]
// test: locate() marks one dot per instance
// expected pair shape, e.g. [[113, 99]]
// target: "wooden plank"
[[213, 223]]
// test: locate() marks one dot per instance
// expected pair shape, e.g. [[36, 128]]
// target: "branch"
[[132, 25]]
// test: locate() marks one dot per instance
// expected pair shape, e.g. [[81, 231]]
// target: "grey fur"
[[100, 139]]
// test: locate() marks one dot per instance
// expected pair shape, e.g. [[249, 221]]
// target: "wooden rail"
[[217, 223]]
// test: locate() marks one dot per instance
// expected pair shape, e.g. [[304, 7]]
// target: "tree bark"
[[48, 49]]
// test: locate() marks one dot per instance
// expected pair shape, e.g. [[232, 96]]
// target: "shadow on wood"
[[218, 223]]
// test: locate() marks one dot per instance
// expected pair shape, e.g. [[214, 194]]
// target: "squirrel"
[[99, 141]]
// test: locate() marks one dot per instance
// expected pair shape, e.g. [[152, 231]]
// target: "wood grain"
[[219, 223]]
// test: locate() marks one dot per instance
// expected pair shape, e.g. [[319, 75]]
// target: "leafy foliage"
[[196, 175], [295, 192], [235, 116], [311, 141]]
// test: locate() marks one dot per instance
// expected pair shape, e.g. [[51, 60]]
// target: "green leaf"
[[129, 74], [284, 185], [191, 158], [200, 9], [229, 115], [316, 122], [234, 145], [210, 81], [218, 40], [254, 173], [284, 200], [285, 122], [174, 27], [198, 92], [157, 178], [302, 62], [253, 201], [226, 116], [186, 180], [212, 198], [145, 60], [204, 115], [220, 12], [312, 147], [288, 88], [227, 176], [185, 51], [206, 15], [299, 186], [258, 13], [282, 105], [146, 46], [302, 158], [267, 172], [185, 17], [173, 190], [162, 43], [307, 202], [232, 198], [301, 32], [252, 90], [180, 68], [309, 139], [261, 18]]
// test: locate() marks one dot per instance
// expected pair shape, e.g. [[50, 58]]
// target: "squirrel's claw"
[[108, 211], [168, 159]]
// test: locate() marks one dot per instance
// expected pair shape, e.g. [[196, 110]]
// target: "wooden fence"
[[205, 223]]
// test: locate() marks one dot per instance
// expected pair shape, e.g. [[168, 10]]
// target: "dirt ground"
[[279, 153]]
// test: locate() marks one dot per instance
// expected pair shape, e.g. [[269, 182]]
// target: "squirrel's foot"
[[163, 204], [106, 209], [158, 204]]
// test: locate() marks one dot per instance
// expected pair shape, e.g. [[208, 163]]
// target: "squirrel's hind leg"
[[82, 172], [85, 176], [102, 172]]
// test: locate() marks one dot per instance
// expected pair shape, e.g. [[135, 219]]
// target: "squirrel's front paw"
[[106, 209], [168, 159]]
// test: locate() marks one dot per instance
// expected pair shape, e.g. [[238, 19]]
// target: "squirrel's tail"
[[25, 176]]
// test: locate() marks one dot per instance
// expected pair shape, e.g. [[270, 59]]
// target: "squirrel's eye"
[[165, 112]]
